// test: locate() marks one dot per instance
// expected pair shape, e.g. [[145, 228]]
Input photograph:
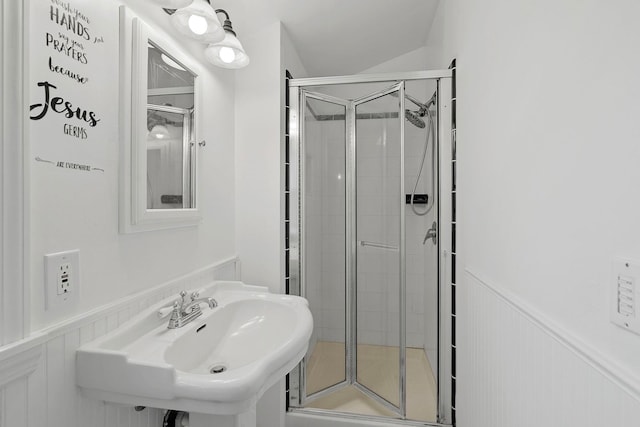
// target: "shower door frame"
[[351, 245], [401, 409], [297, 386]]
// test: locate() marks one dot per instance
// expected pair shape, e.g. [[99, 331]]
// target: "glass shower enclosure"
[[348, 243]]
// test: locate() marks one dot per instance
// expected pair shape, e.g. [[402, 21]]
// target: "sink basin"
[[220, 363]]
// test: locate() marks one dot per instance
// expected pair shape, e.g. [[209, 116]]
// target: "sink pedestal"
[[245, 419]]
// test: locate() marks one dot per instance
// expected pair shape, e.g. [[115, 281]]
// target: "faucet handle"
[[195, 295], [183, 298], [165, 311]]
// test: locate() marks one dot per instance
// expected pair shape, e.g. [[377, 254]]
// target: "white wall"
[[259, 172], [415, 60], [79, 210], [289, 59], [260, 154], [547, 167], [258, 184]]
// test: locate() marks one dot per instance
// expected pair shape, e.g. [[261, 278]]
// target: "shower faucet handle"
[[432, 234]]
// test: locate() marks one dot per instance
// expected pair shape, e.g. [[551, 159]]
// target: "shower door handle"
[[377, 245]]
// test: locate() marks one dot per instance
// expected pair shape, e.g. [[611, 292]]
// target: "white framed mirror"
[[160, 92]]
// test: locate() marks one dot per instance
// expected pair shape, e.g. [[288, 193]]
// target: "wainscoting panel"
[[48, 396], [517, 369]]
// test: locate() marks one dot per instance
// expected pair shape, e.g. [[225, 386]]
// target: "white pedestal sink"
[[216, 367]]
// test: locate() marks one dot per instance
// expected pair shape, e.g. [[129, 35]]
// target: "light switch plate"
[[62, 279], [624, 303]]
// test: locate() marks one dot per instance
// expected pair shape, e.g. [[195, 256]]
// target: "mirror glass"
[[170, 141], [160, 88]]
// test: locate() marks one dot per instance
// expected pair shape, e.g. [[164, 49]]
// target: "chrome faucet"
[[183, 311]]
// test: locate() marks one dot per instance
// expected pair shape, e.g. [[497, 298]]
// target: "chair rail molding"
[[14, 178], [20, 359], [591, 356]]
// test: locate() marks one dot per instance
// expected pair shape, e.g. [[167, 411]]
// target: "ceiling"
[[338, 37]]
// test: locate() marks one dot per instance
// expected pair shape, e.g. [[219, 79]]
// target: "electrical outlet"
[[61, 278], [64, 278]]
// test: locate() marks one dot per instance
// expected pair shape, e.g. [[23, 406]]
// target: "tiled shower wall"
[[49, 396], [325, 232], [378, 272], [378, 223], [421, 259]]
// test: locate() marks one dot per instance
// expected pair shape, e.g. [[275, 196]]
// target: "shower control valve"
[[432, 234]]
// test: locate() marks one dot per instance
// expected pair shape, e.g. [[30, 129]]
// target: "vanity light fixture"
[[199, 21], [229, 52]]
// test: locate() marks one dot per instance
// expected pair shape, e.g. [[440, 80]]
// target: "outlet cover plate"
[[62, 279]]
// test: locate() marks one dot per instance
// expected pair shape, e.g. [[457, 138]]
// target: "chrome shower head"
[[414, 118]]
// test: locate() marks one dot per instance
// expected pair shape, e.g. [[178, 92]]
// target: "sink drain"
[[217, 369]]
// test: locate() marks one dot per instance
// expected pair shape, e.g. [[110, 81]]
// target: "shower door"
[[378, 218], [352, 219], [324, 231]]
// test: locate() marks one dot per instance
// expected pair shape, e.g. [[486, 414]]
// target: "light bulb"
[[197, 24], [227, 55]]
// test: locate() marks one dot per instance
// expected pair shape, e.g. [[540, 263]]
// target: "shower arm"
[[422, 107], [415, 101]]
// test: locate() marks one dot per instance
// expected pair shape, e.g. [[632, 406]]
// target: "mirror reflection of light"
[[167, 60], [197, 24], [159, 132], [339, 176]]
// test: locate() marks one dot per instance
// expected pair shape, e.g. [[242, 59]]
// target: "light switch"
[[624, 294]]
